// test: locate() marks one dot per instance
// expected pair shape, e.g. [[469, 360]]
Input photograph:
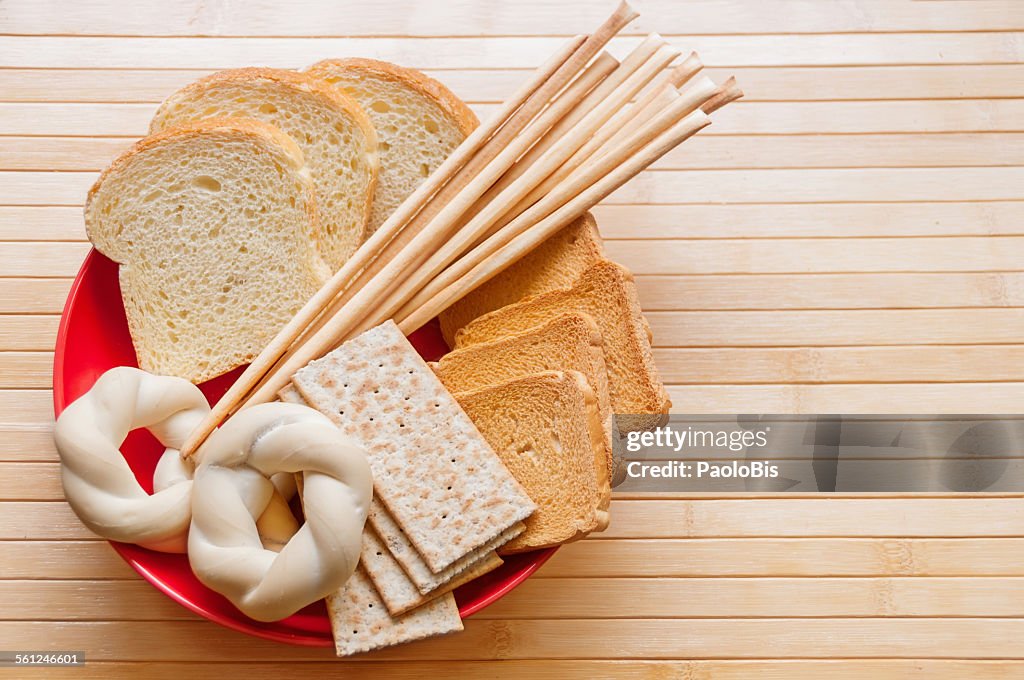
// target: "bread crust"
[[267, 137], [451, 104]]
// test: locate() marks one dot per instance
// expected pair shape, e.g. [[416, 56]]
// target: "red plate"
[[92, 338]]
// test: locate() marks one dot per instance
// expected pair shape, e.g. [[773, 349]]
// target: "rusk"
[[547, 430], [556, 263], [606, 292], [570, 341]]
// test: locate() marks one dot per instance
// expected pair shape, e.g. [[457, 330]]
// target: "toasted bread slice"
[[606, 292], [335, 135], [556, 263], [419, 123], [214, 226], [547, 430], [567, 342]]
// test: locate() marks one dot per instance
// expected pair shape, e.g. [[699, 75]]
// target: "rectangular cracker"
[[396, 590], [360, 620], [412, 562], [401, 551], [434, 472]]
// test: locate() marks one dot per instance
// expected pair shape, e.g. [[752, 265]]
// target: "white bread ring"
[[232, 487], [102, 489], [99, 485]]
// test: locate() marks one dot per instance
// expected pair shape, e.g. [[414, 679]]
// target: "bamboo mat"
[[848, 238]]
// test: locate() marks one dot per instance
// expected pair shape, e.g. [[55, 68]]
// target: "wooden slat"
[[835, 220], [33, 295], [788, 557], [793, 256], [663, 558], [58, 260], [702, 152], [32, 443], [818, 517], [833, 365], [743, 118], [722, 292], [24, 481], [62, 560], [26, 409], [790, 669], [831, 291], [740, 256], [849, 398], [26, 369], [407, 17], [563, 639], [808, 186], [572, 598], [28, 333], [903, 517], [502, 52], [738, 597], [21, 223], [679, 187], [846, 327], [833, 83]]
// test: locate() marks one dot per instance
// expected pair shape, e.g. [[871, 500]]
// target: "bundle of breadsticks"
[[579, 128]]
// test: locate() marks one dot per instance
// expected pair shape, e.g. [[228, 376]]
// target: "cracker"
[[393, 584], [434, 472], [412, 562], [401, 576], [399, 548], [361, 622]]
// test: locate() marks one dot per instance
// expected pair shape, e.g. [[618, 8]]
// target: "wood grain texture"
[[731, 669], [848, 238]]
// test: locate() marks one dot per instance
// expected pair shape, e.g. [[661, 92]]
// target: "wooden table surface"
[[848, 238]]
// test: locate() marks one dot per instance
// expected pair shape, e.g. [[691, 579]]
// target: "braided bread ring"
[[99, 485], [231, 487]]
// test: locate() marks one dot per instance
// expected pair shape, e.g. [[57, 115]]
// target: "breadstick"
[[563, 146], [485, 267], [560, 190], [728, 92]]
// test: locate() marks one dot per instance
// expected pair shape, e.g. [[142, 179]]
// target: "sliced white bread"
[[556, 263], [335, 135], [547, 430], [570, 341], [214, 226], [607, 293], [419, 122]]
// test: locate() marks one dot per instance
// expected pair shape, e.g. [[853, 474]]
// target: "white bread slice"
[[556, 263], [335, 135], [570, 341], [419, 123], [606, 292], [547, 430], [214, 226]]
